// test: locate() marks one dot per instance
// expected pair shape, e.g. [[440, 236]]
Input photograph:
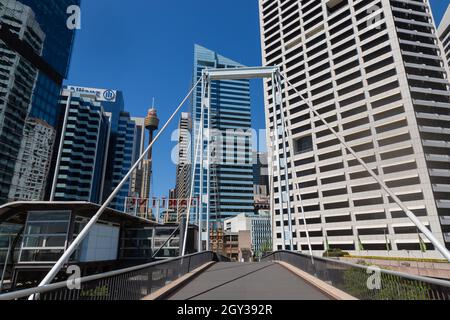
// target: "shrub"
[[335, 253]]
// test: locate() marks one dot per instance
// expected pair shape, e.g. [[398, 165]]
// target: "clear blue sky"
[[145, 49]]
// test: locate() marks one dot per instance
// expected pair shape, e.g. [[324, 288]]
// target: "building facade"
[[183, 176], [139, 148], [121, 160], [31, 174], [83, 153], [18, 80], [121, 141], [261, 181], [374, 71], [36, 47], [258, 226], [444, 35], [231, 191]]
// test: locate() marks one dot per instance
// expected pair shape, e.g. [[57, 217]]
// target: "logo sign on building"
[[104, 95]]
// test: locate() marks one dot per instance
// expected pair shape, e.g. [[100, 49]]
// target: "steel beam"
[[240, 73]]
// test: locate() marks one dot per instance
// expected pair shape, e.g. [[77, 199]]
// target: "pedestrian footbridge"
[[283, 275], [248, 281]]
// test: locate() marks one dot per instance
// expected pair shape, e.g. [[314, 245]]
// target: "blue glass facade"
[[37, 62], [52, 17], [232, 173], [123, 157], [83, 152], [121, 142], [118, 143]]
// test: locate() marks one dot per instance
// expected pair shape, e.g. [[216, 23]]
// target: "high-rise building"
[[231, 191], [83, 153], [139, 148], [183, 177], [121, 160], [374, 71], [261, 181], [119, 142], [36, 47], [18, 80], [444, 35], [36, 149]]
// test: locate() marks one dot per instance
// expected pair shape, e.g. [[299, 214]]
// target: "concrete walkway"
[[248, 281]]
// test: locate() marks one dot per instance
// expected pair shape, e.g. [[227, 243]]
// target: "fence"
[[364, 282], [132, 283]]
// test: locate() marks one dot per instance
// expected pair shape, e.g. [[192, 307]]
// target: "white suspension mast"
[[296, 185], [275, 140], [282, 128], [202, 162], [208, 161], [191, 195]]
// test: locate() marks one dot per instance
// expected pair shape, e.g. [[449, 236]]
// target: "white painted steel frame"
[[273, 73]]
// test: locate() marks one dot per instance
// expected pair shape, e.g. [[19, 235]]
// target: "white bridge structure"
[[278, 164]]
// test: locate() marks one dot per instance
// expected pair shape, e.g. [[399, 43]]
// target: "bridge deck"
[[248, 281]]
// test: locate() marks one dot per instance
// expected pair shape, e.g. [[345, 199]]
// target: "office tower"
[[261, 181], [18, 79], [140, 180], [444, 35], [121, 160], [119, 142], [231, 191], [373, 70], [36, 48], [183, 185], [81, 164], [37, 143], [139, 148], [138, 202]]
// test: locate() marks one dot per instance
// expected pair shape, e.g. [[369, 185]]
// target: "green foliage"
[[266, 248], [335, 253], [392, 287]]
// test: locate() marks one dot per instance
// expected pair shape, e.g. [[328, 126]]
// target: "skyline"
[[349, 199], [122, 48]]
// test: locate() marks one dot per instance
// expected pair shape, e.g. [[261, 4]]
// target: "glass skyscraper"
[[231, 191], [83, 152], [113, 156], [121, 160], [35, 46]]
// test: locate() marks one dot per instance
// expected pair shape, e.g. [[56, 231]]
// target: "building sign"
[[136, 205], [105, 95], [182, 203]]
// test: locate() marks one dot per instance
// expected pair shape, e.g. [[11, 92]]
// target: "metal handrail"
[[59, 285], [366, 282], [408, 276]]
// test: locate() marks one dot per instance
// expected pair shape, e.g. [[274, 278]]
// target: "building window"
[[303, 145], [45, 236]]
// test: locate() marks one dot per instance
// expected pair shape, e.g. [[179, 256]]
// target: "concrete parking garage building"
[[375, 71]]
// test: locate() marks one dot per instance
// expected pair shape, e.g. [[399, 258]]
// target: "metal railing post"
[[10, 243]]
